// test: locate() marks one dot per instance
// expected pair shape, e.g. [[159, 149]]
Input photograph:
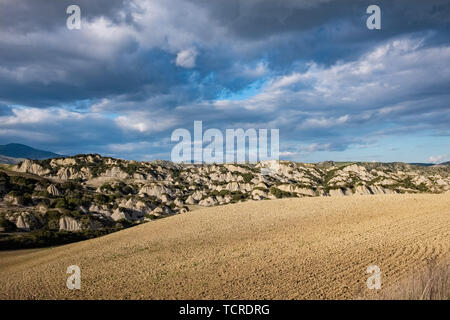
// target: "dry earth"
[[279, 249]]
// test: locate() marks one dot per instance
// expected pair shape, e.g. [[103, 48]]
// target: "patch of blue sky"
[[248, 92]]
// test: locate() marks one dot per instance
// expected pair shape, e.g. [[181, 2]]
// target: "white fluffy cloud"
[[439, 158], [145, 123], [377, 84], [186, 58]]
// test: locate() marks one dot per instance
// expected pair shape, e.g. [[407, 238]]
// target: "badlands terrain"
[[301, 248], [60, 200]]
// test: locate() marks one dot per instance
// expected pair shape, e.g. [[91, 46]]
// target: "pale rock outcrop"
[[262, 185], [183, 210], [38, 187], [362, 190], [66, 173], [118, 215], [136, 205], [11, 199], [208, 202], [340, 192], [159, 211], [286, 187], [63, 162], [22, 224], [223, 199], [128, 214], [155, 190], [197, 196], [236, 186], [53, 190], [178, 202], [165, 198], [42, 208], [305, 191], [115, 172], [234, 168], [388, 182], [355, 168], [100, 209], [259, 193], [378, 190], [190, 200], [69, 224], [336, 193], [420, 179], [139, 176], [26, 221], [30, 167]]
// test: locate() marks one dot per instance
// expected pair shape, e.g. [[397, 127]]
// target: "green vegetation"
[[7, 225], [237, 196], [280, 193], [46, 238], [247, 177], [407, 184], [221, 193], [152, 216]]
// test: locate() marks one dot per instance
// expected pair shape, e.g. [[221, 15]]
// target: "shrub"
[[126, 190], [101, 199], [42, 193], [7, 225], [280, 193], [53, 214], [46, 238], [237, 196], [61, 203], [74, 202], [4, 177], [71, 185], [123, 223], [247, 177], [106, 187], [224, 193], [53, 224]]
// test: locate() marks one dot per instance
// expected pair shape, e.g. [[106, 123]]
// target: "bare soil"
[[308, 248]]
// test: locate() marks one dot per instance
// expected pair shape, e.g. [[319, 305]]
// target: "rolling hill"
[[307, 248], [17, 150]]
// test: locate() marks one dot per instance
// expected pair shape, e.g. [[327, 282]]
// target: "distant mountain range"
[[15, 152], [422, 164], [21, 151]]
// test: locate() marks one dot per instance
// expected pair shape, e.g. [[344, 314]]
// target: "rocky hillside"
[[90, 192]]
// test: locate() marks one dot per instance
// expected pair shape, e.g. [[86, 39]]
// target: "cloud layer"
[[137, 70]]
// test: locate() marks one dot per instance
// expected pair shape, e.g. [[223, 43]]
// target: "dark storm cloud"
[[58, 66], [259, 19], [31, 15], [138, 69]]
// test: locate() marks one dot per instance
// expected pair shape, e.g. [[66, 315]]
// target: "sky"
[[137, 70]]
